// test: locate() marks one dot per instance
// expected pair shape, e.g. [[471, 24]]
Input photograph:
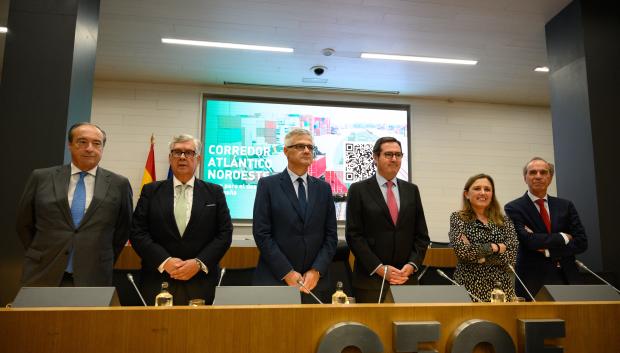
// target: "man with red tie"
[[386, 228], [549, 230]]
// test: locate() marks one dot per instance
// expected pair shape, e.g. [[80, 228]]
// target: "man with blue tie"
[[294, 223], [74, 219], [549, 230]]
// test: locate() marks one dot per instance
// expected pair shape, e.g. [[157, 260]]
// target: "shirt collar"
[[176, 182], [294, 176], [76, 170], [381, 180], [534, 197]]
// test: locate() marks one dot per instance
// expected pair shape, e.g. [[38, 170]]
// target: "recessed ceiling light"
[[418, 59], [3, 29], [541, 69], [201, 43]]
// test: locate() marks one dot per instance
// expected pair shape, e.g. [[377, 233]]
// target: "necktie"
[[180, 209], [301, 194], [78, 205], [543, 214], [391, 202]]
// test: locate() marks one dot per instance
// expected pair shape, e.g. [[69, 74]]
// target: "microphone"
[[130, 278], [385, 274], [222, 273], [442, 274], [522, 284], [580, 264], [301, 283]]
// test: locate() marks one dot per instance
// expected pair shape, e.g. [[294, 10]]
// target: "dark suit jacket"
[[155, 237], [373, 237], [46, 229], [532, 266], [288, 240]]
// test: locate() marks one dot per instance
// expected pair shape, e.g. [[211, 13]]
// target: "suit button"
[[67, 252], [75, 231]]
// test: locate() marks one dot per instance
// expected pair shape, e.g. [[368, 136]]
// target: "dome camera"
[[318, 70]]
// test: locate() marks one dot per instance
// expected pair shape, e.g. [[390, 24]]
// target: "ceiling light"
[[3, 29], [542, 69], [201, 43], [418, 59]]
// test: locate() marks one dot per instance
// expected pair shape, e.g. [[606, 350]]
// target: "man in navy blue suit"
[[295, 223], [550, 232], [181, 229]]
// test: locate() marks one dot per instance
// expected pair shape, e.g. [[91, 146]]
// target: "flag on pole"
[[149, 168]]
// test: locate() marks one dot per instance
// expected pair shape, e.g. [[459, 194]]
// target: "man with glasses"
[[385, 229], [181, 229], [549, 230], [294, 223], [74, 219]]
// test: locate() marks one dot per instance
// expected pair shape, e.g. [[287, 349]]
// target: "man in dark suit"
[[181, 229], [295, 223], [386, 229], [549, 230], [74, 219]]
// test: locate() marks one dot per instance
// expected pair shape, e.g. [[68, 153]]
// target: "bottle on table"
[[164, 298], [497, 294], [339, 296]]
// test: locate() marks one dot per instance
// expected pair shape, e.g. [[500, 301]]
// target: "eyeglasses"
[[301, 147], [390, 155], [83, 143], [186, 154]]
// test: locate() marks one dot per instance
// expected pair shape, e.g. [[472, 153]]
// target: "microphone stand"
[[130, 278], [301, 283], [382, 283], [580, 264], [522, 284], [442, 274], [222, 272]]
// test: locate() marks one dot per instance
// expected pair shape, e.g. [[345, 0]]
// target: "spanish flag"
[[149, 168]]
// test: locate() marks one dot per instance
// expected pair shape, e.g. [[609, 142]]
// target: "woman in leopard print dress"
[[484, 241]]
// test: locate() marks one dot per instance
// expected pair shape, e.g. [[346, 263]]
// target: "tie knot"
[[300, 180], [540, 202], [389, 184], [83, 174]]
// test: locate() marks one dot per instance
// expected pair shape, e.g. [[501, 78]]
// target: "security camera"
[[318, 70]]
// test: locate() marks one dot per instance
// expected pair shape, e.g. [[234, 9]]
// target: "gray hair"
[[184, 138], [550, 165], [76, 125], [296, 132]]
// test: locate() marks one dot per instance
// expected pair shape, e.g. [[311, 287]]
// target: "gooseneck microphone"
[[385, 268], [222, 273], [522, 284], [130, 278], [580, 264], [301, 283], [442, 274]]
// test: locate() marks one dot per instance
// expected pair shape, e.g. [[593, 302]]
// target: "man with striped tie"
[[74, 219]]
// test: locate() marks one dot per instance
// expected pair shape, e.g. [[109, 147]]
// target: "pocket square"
[[210, 205]]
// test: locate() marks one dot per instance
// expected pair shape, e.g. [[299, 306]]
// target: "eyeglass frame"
[[391, 155], [179, 154], [302, 147]]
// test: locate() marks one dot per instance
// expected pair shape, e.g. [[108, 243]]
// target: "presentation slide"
[[244, 140]]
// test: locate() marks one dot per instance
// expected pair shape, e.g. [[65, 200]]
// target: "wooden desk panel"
[[590, 327], [242, 257]]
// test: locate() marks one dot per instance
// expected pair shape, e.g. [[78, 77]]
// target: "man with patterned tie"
[[181, 229], [386, 228], [294, 223], [549, 230], [74, 219]]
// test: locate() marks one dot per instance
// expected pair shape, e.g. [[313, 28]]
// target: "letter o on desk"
[[472, 332], [345, 334]]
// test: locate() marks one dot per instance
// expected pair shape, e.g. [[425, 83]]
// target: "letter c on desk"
[[345, 334], [472, 332]]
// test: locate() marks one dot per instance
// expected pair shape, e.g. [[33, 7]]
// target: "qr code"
[[358, 162]]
